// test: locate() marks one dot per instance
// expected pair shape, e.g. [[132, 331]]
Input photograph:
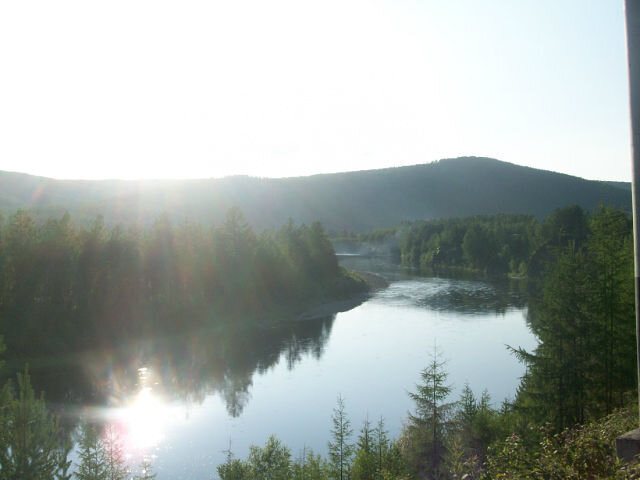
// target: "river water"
[[285, 381]]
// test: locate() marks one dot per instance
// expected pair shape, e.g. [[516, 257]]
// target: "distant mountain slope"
[[623, 185], [355, 200]]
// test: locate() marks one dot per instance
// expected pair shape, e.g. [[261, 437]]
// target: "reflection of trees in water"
[[477, 299], [235, 392], [260, 350], [189, 367]]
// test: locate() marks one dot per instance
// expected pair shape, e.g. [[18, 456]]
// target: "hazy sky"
[[129, 89]]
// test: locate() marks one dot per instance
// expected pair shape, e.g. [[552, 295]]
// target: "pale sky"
[[187, 89]]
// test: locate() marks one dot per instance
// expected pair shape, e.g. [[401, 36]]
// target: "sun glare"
[[143, 420]]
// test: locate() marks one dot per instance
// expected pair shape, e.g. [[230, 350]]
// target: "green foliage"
[[271, 462], [381, 446], [310, 467], [364, 466], [31, 445], [365, 463], [93, 462], [234, 469], [584, 319], [494, 244], [427, 428], [101, 454], [579, 453], [65, 289], [340, 447]]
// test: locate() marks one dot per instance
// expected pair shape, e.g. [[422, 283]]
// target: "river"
[[186, 412]]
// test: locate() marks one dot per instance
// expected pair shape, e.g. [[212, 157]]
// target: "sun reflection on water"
[[143, 419]]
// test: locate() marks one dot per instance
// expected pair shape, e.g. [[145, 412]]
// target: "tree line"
[[65, 288], [499, 244], [496, 244]]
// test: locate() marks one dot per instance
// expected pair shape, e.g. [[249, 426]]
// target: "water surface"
[[204, 395]]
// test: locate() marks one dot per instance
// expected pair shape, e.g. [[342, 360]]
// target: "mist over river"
[[186, 411]]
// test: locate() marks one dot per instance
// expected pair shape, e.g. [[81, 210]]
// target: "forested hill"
[[360, 200]]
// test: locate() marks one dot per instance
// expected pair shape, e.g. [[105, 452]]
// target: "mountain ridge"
[[358, 200]]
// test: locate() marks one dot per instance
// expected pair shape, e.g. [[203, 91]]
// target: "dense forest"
[[487, 243], [65, 288], [501, 244], [359, 201]]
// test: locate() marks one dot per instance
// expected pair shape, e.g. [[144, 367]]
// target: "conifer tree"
[[428, 425], [611, 303], [29, 435], [364, 464], [380, 446], [558, 379], [340, 447], [146, 471], [114, 454], [93, 463], [310, 466]]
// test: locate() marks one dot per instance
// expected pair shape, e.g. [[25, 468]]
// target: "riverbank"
[[373, 281]]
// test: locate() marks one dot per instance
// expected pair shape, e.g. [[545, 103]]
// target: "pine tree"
[[64, 464], [29, 435], [340, 447]]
